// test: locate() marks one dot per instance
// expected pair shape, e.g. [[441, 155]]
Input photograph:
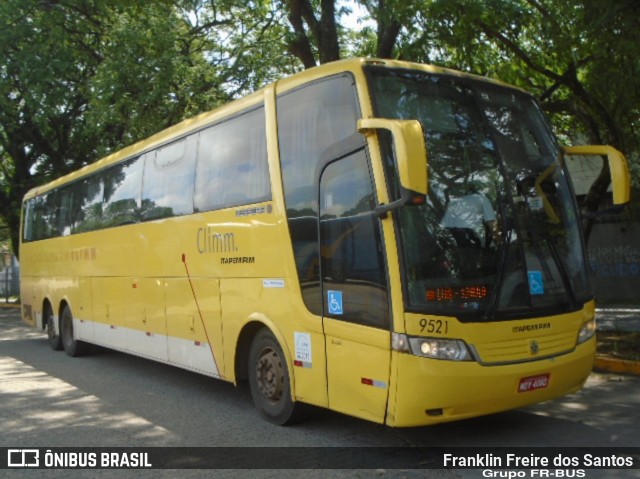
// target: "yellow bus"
[[394, 241]]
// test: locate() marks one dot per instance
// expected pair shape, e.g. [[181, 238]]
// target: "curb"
[[619, 366]]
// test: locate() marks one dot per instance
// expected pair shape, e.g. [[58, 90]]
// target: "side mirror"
[[620, 178], [411, 158]]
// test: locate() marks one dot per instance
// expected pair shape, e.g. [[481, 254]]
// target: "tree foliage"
[[580, 59], [79, 79]]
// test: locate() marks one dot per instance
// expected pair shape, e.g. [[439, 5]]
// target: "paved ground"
[[110, 399]]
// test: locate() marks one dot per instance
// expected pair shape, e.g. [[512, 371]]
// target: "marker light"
[[400, 342], [417, 200]]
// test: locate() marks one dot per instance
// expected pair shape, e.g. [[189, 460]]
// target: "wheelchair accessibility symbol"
[[536, 283], [334, 300]]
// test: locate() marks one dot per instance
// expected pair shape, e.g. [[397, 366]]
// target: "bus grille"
[[524, 349]]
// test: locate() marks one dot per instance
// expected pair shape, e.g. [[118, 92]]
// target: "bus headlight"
[[435, 348], [587, 331]]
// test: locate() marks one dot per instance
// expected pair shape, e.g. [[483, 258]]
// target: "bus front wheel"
[[269, 380], [72, 346]]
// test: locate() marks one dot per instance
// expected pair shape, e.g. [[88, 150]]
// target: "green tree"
[[580, 58], [41, 88], [81, 79], [243, 41], [151, 74], [317, 35]]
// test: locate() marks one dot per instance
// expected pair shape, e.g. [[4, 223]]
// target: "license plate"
[[532, 383]]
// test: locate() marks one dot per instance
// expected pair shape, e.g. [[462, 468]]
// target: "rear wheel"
[[269, 380], [53, 336], [73, 347]]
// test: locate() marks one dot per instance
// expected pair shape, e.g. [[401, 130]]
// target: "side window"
[[232, 163], [64, 203], [86, 208], [312, 121], [29, 220], [351, 244], [37, 220], [167, 186], [50, 215], [122, 185]]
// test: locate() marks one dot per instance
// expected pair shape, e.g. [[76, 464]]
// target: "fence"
[[9, 279]]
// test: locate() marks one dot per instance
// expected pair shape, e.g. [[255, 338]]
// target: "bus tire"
[[53, 337], [269, 380], [73, 347]]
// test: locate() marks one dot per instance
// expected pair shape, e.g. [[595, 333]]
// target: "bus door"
[[355, 294]]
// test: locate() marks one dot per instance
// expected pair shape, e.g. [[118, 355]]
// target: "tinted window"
[[86, 211], [232, 163], [232, 170], [63, 210], [498, 236], [37, 221], [168, 180], [312, 122], [28, 233], [122, 185], [351, 244]]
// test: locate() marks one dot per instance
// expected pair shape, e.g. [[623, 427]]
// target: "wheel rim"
[[270, 375]]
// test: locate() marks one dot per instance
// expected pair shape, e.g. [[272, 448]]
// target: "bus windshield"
[[499, 235]]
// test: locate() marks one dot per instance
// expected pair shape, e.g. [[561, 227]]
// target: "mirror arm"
[[383, 210]]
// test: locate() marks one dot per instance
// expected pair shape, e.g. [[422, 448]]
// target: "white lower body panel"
[[195, 356]]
